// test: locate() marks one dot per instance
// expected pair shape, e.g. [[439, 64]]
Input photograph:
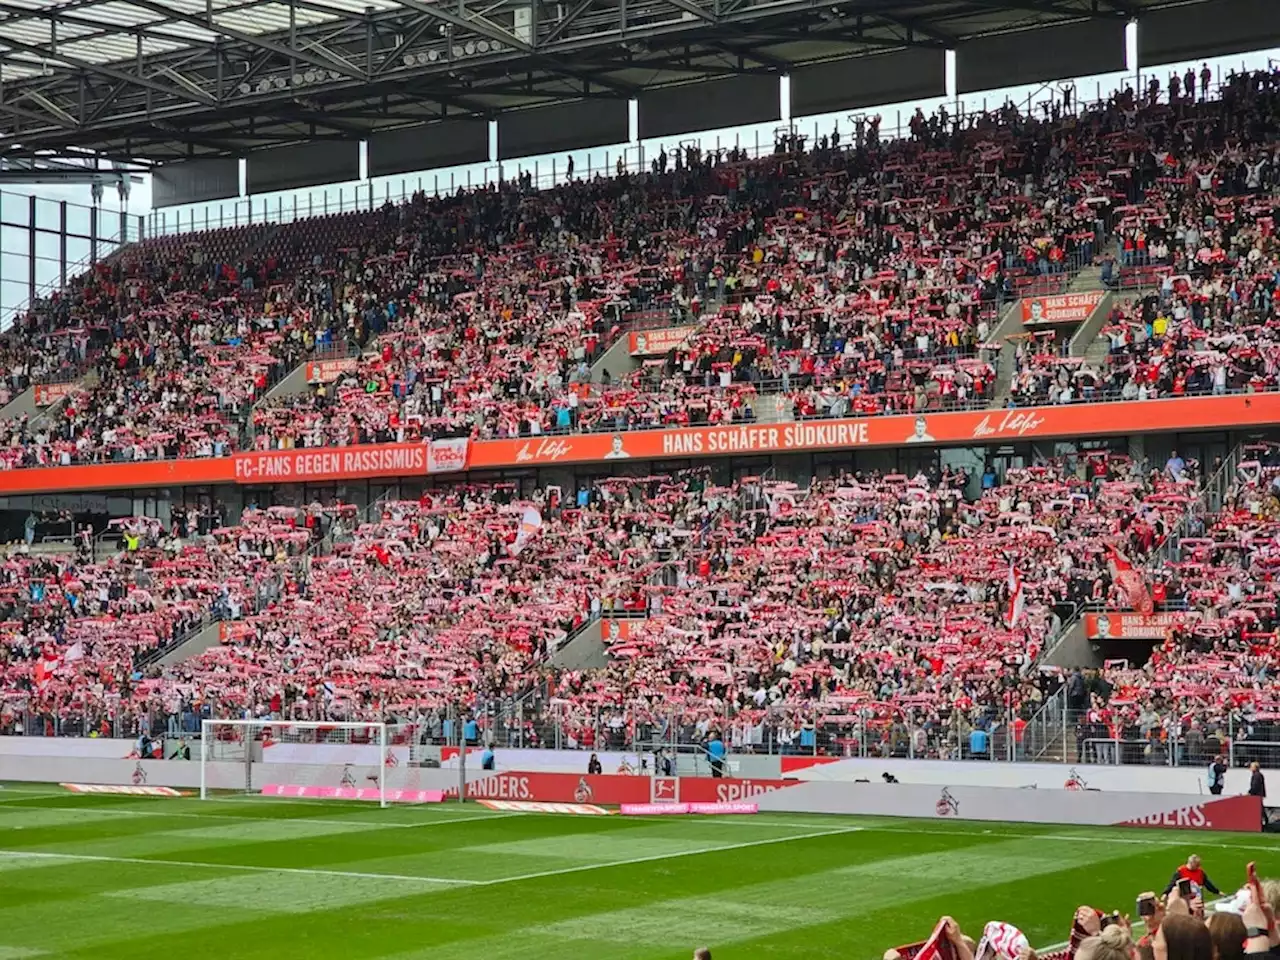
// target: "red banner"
[[612, 630], [963, 429], [326, 371], [967, 428], [232, 630], [1226, 813], [342, 463], [648, 343], [1128, 625], [47, 394], [611, 789], [1061, 308]]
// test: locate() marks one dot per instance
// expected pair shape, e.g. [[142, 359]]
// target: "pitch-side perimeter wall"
[[798, 796], [973, 773], [887, 800], [969, 773]]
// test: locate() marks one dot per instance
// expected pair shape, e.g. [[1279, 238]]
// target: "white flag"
[[1017, 602], [530, 524]]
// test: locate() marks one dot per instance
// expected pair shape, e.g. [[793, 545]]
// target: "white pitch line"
[[301, 871], [356, 875], [1145, 841], [925, 830], [107, 812], [666, 856], [29, 796]]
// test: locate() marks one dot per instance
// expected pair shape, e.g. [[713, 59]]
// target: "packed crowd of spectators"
[[1209, 687], [880, 608], [76, 627], [849, 279]]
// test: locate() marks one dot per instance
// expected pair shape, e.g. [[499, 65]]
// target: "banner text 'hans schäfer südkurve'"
[[962, 428]]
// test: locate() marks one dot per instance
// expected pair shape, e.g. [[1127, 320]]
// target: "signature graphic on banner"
[[546, 450], [1015, 423]]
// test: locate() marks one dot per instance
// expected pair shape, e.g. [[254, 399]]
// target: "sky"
[[15, 201]]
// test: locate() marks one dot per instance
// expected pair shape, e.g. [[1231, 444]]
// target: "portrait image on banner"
[[650, 343], [1130, 625], [1060, 308]]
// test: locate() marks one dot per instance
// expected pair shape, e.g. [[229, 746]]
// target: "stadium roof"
[[151, 81]]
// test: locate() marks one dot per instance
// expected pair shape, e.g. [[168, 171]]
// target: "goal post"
[[248, 755]]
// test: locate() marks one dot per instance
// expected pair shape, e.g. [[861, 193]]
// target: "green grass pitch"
[[108, 877]]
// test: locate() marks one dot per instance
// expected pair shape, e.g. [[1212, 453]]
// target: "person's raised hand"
[[1153, 921], [1088, 920], [951, 929], [1259, 912], [1174, 904]]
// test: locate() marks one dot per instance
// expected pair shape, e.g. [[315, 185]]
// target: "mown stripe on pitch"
[[274, 894], [827, 896], [135, 904]]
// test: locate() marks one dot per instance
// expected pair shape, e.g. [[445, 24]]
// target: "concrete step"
[[584, 650], [189, 645], [771, 407], [1086, 335], [1089, 278], [617, 360], [1010, 322], [23, 405]]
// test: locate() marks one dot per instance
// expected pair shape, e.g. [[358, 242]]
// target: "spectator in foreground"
[[702, 953], [1228, 933], [1110, 943], [1182, 937]]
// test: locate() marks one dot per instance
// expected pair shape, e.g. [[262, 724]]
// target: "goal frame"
[[207, 728]]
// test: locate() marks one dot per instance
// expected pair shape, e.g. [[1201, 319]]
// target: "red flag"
[[1130, 581], [937, 947], [48, 664]]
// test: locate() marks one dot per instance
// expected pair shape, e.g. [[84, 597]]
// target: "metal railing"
[[1212, 496], [1045, 735]]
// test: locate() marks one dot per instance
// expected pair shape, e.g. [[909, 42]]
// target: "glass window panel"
[[14, 240], [48, 214], [15, 209], [78, 219]]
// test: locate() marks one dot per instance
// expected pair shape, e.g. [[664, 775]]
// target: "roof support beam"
[[322, 60], [101, 69], [393, 59], [475, 23], [10, 108], [688, 6]]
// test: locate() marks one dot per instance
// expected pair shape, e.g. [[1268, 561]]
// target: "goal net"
[[340, 760]]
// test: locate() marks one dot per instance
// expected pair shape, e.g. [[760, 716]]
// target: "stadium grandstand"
[[693, 400]]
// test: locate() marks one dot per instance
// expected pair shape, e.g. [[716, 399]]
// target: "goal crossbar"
[[305, 753]]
